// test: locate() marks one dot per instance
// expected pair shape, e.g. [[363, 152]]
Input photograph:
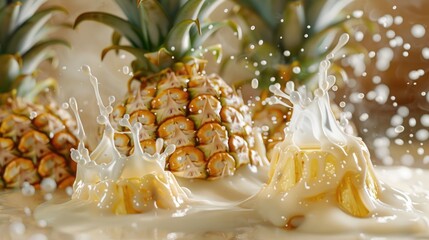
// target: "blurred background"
[[388, 99]]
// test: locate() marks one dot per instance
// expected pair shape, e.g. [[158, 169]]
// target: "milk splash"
[[320, 172], [123, 184]]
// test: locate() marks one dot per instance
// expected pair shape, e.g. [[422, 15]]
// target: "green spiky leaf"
[[178, 40], [118, 24], [24, 37], [208, 29], [9, 71], [39, 53]]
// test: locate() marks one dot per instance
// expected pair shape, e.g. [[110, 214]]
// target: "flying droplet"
[[255, 83], [399, 129], [418, 31]]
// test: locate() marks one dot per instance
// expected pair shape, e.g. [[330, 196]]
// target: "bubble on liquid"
[[48, 196], [38, 236], [387, 161], [384, 57], [17, 228], [27, 189], [399, 129], [27, 211], [69, 191], [418, 31], [125, 70], [407, 159], [422, 135], [425, 53], [48, 185]]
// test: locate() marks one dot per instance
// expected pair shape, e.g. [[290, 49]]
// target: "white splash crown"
[[312, 117]]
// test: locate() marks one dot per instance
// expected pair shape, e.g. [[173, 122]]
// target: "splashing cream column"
[[318, 167], [123, 184]]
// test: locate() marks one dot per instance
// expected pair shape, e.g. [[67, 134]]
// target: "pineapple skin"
[[35, 134], [201, 114], [35, 142]]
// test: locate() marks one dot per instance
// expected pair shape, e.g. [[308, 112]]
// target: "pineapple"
[[170, 93], [285, 41], [35, 134]]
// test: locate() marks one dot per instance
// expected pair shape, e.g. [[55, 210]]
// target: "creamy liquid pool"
[[74, 220]]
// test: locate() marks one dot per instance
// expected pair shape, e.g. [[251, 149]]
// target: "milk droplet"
[[384, 56], [28, 190], [33, 115], [425, 53], [65, 105], [403, 111], [17, 228], [296, 70], [412, 122], [398, 20], [47, 196], [48, 185], [255, 83], [364, 117], [422, 135], [424, 120], [399, 129], [86, 69], [418, 31], [286, 53]]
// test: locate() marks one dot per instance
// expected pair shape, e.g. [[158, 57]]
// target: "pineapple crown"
[[24, 44], [288, 39], [162, 33]]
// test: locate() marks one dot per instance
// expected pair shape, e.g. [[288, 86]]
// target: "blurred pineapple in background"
[[35, 134], [285, 41], [170, 93]]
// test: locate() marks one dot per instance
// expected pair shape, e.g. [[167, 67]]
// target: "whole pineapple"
[[285, 41], [35, 134], [170, 93]]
